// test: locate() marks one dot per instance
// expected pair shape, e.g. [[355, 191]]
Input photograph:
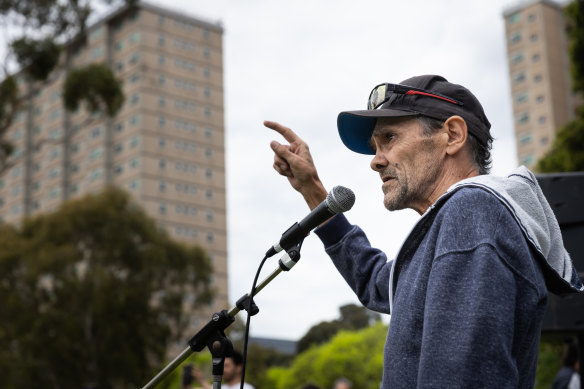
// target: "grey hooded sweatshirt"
[[468, 289]]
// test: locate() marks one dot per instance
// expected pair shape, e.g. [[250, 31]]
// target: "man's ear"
[[457, 131]]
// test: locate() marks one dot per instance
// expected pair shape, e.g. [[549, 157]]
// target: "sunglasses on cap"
[[382, 92]]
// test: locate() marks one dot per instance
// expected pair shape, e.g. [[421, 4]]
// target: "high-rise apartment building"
[[539, 70], [165, 146]]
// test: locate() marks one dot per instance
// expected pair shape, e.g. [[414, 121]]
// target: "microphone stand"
[[212, 335]]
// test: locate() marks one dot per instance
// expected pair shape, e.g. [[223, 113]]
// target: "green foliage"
[[9, 99], [549, 362], [38, 58], [259, 360], [353, 317], [575, 22], [95, 84], [92, 293], [356, 355], [8, 107], [566, 154]]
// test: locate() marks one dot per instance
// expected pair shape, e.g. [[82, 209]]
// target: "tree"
[[566, 153], [575, 23], [353, 317], [356, 355], [49, 28], [93, 293]]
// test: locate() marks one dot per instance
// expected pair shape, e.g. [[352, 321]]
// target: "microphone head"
[[340, 199]]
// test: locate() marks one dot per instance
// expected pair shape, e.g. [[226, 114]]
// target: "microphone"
[[340, 199]]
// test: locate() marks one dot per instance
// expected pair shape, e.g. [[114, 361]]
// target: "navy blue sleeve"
[[365, 268]]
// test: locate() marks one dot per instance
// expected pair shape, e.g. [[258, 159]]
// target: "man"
[[342, 383], [468, 289], [232, 370], [568, 376]]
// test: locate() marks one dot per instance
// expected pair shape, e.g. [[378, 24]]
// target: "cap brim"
[[356, 127]]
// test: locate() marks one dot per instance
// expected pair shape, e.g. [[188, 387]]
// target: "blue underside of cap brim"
[[355, 132]]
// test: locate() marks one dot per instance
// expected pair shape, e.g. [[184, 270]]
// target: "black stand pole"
[[212, 335]]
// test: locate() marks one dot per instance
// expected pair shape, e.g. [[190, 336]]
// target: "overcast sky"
[[301, 63]]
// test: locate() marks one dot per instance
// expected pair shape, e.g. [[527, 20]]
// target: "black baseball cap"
[[356, 127]]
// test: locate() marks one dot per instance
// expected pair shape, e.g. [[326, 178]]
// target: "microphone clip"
[[290, 258]]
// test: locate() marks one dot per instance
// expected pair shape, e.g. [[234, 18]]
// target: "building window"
[[96, 132], [514, 18], [162, 208], [521, 97], [522, 118], [161, 101], [535, 57], [518, 77], [533, 37], [525, 139], [515, 38], [542, 120], [527, 159], [544, 141], [162, 186], [134, 58], [162, 164], [161, 142], [161, 60], [161, 40], [531, 18], [517, 58], [161, 122], [135, 37], [540, 99], [538, 78], [96, 153]]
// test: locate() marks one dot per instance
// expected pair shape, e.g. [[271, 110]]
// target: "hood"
[[521, 194]]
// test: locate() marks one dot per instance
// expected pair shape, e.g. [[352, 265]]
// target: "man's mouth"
[[386, 178]]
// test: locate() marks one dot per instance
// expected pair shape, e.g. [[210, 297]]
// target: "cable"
[[246, 336]]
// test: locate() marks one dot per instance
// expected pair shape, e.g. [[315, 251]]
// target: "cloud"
[[303, 62]]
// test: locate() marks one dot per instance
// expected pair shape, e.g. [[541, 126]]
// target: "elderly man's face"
[[408, 162]]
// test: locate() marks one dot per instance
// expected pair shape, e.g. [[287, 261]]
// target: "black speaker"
[[565, 193]]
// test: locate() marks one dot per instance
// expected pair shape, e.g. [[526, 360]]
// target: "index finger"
[[286, 132]]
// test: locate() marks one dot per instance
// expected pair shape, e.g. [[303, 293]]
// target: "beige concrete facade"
[[539, 72], [166, 146]]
